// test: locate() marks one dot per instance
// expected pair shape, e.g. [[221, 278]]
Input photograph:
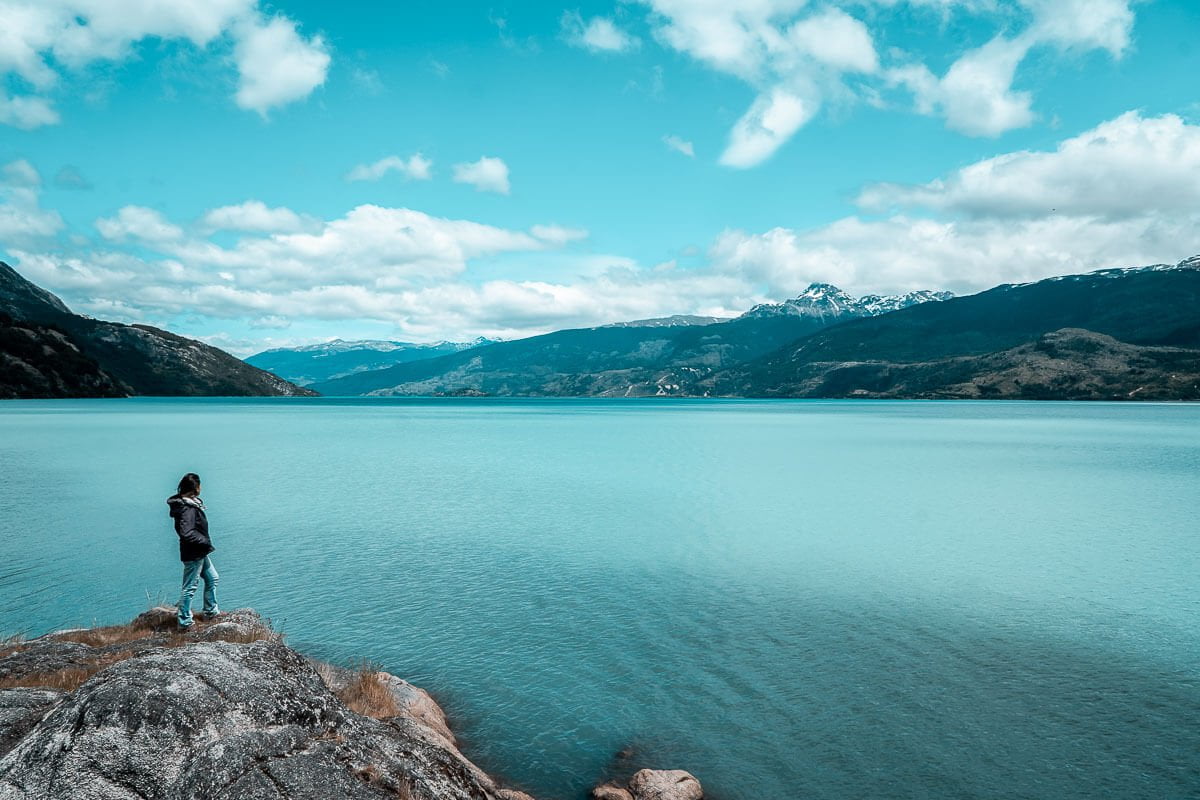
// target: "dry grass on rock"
[[66, 679], [155, 628], [368, 695]]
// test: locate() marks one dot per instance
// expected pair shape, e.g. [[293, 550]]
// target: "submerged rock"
[[610, 791]]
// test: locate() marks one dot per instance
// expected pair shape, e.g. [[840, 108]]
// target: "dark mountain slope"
[[41, 361], [141, 359], [1070, 364], [1147, 307]]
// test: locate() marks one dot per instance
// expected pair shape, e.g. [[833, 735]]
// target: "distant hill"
[[110, 357], [325, 361], [673, 321], [1112, 333], [628, 360]]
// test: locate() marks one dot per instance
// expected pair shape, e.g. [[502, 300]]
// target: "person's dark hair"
[[189, 485]]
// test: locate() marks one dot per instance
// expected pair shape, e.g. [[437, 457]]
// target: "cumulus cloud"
[[22, 219], [26, 112], [1124, 193], [276, 65], [139, 223], [1131, 166], [45, 39], [975, 95], [486, 175], [836, 39], [19, 173], [598, 34], [415, 167], [679, 145], [252, 215], [903, 253]]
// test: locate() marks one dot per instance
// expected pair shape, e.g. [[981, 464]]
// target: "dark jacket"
[[192, 526]]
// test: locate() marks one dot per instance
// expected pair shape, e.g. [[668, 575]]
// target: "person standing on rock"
[[191, 524]]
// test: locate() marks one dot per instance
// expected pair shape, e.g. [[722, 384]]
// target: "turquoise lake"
[[789, 599]]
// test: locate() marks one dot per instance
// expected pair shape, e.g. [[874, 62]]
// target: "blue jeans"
[[193, 571]]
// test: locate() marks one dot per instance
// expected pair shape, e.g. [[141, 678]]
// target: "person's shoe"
[[209, 617]]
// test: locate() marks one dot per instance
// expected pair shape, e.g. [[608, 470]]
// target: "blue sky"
[[260, 175]]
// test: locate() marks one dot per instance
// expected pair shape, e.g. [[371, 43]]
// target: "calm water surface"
[[791, 600]]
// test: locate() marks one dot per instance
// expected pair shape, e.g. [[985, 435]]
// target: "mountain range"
[[48, 351], [1032, 341], [326, 361], [1112, 334], [630, 360]]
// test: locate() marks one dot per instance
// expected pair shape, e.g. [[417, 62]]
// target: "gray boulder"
[[203, 720], [665, 784]]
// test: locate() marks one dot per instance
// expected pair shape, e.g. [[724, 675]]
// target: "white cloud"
[[276, 65], [797, 56], [1127, 193], [1124, 193], [836, 39], [557, 234], [1083, 24], [794, 57], [415, 167], [486, 175], [371, 246], [903, 253], [975, 95], [679, 145], [19, 173], [765, 126], [253, 215], [26, 112], [599, 34], [1131, 166], [41, 40], [140, 223], [22, 219]]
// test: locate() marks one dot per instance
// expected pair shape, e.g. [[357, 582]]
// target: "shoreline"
[[227, 709]]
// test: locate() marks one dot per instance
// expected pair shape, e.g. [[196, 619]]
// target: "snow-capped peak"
[[826, 300]]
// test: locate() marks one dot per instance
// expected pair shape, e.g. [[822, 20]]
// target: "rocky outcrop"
[[226, 710], [653, 784], [223, 710]]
